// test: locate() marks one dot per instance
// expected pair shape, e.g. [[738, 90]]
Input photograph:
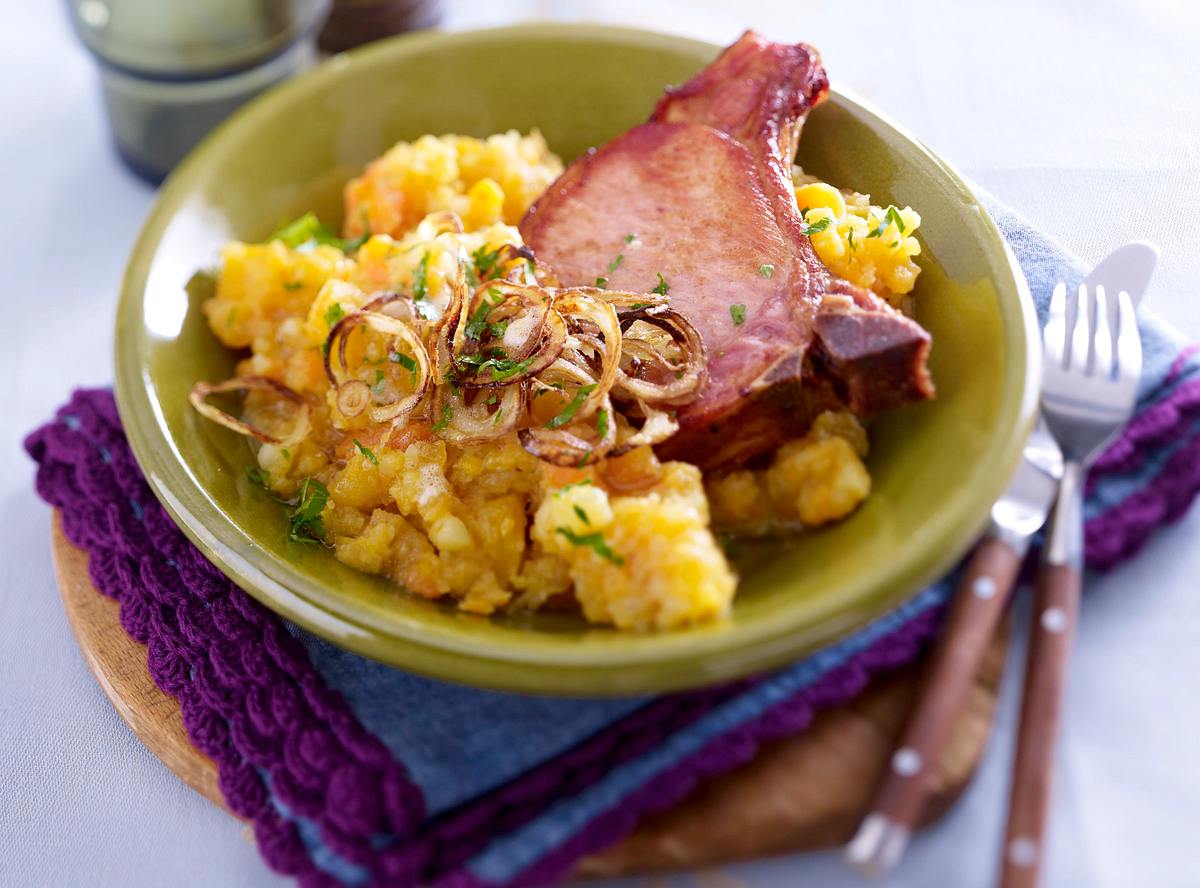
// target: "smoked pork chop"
[[702, 195]]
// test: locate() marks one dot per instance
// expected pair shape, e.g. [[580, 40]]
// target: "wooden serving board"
[[799, 794]]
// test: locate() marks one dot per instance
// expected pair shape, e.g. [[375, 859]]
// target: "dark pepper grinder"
[[355, 22]]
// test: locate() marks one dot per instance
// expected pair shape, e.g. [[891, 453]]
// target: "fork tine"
[[1102, 339], [1054, 334], [1129, 342], [1081, 334]]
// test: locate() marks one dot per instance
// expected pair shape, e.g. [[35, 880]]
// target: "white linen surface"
[[1084, 116]]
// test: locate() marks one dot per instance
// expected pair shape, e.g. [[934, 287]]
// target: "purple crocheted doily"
[[253, 703]]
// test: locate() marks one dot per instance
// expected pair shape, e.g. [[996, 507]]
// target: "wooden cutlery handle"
[[978, 604], [1056, 607]]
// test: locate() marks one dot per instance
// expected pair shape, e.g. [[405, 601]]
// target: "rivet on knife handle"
[[1056, 607], [979, 602]]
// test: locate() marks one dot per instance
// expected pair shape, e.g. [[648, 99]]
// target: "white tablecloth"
[[1085, 116]]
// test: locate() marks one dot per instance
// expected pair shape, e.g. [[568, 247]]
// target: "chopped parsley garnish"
[[496, 416], [259, 478], [616, 263], [594, 541], [420, 279], [602, 423], [663, 287], [478, 321], [293, 286], [502, 368], [819, 225], [582, 482], [766, 270], [304, 232], [583, 516], [850, 238], [352, 245], [568, 412], [333, 314], [367, 452], [447, 414], [638, 305], [505, 368], [630, 238], [485, 260], [308, 231], [304, 522], [379, 377], [601, 282], [285, 453], [583, 461], [737, 311], [403, 360], [890, 217]]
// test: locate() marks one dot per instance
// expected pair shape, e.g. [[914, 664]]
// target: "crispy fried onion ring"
[[198, 397], [575, 434], [504, 334], [653, 372], [579, 373], [466, 416], [404, 348]]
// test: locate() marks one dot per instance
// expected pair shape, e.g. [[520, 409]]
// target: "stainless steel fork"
[[1093, 362]]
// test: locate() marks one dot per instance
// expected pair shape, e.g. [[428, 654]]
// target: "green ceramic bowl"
[[936, 467]]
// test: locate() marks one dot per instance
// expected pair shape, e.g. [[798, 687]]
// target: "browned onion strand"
[[627, 303], [353, 394], [445, 222], [686, 376], [587, 316], [198, 397], [575, 444], [394, 305], [353, 397], [520, 262], [481, 367], [531, 338], [471, 418]]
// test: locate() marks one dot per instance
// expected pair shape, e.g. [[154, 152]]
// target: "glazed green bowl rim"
[[794, 631]]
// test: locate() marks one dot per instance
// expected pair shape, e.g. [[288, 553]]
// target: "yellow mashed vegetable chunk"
[[483, 181], [488, 525], [812, 481], [867, 245], [639, 562]]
